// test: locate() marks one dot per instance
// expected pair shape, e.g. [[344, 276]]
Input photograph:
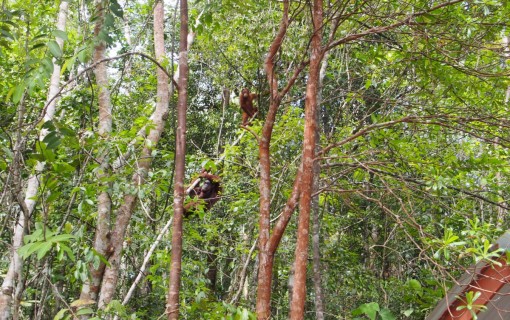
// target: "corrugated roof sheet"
[[490, 279]]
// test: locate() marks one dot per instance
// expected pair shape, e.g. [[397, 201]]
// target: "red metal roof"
[[491, 280]]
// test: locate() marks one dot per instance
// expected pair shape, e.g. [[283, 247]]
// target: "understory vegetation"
[[409, 164]]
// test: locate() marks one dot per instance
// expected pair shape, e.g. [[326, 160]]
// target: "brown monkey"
[[246, 100], [205, 194]]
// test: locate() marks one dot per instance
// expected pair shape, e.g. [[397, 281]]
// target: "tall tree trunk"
[[125, 211], [12, 295], [269, 241], [90, 289], [316, 258], [141, 272], [266, 257], [16, 263], [172, 308], [14, 273], [297, 308]]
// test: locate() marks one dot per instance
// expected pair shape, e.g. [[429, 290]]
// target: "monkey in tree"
[[204, 195], [246, 100]]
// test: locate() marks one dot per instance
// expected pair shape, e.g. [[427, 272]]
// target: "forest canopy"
[[249, 159]]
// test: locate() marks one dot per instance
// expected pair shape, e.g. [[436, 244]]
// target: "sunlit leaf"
[[54, 49], [60, 34], [60, 314]]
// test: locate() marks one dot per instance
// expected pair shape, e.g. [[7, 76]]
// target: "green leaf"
[[52, 140], [109, 21], [66, 131], [43, 249], [62, 167], [67, 63], [54, 49], [67, 250], [115, 305], [40, 247], [207, 18], [60, 314], [116, 9], [26, 250], [84, 55], [12, 24], [368, 309], [101, 257], [84, 311], [47, 65], [49, 125], [48, 154], [39, 36], [368, 83], [68, 227], [76, 189], [7, 34], [245, 315], [416, 287], [386, 314], [408, 312], [60, 34], [62, 237], [18, 92], [36, 235], [53, 196], [38, 45]]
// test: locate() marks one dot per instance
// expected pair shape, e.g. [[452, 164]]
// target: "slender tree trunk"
[[55, 76], [127, 30], [316, 258], [212, 269], [101, 73], [172, 308], [158, 118], [243, 281], [125, 211], [312, 88], [317, 283], [16, 263], [266, 257], [269, 241], [90, 289], [191, 37], [225, 96]]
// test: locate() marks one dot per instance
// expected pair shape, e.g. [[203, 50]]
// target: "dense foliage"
[[414, 152]]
